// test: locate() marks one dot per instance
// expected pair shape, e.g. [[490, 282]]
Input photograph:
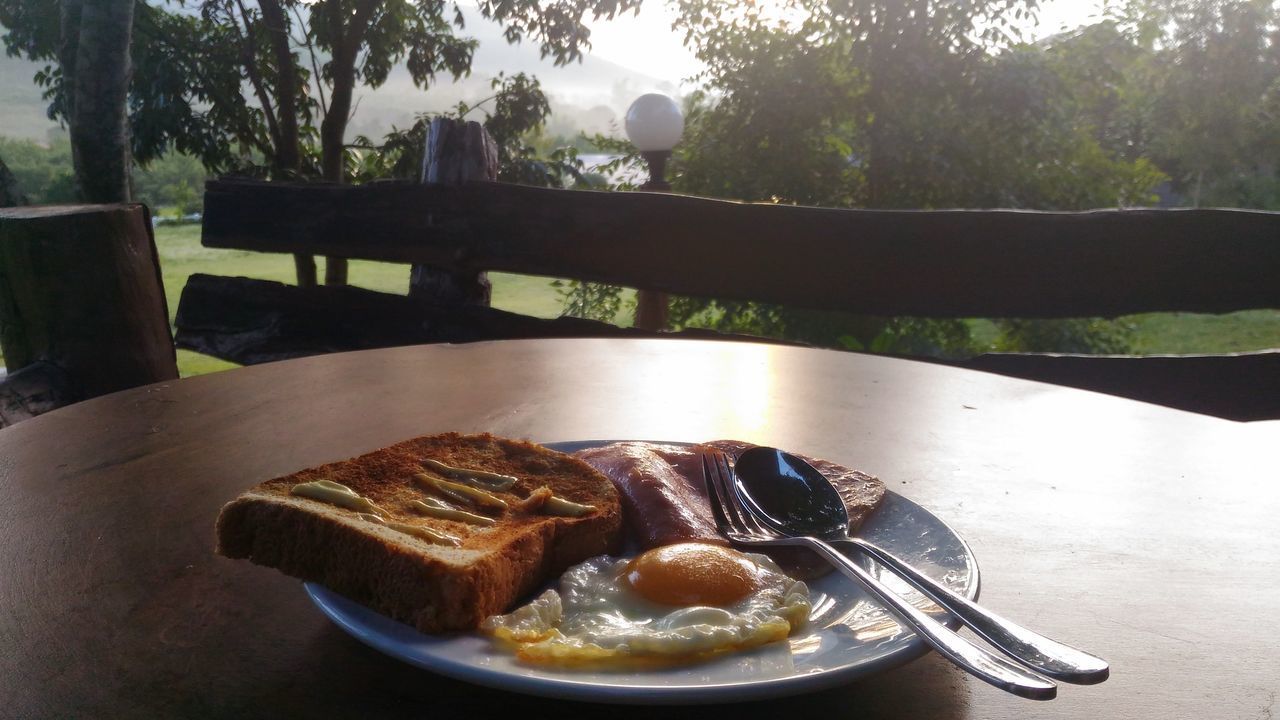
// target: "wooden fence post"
[[456, 152], [80, 290]]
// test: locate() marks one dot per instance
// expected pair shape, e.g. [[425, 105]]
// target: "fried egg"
[[675, 604]]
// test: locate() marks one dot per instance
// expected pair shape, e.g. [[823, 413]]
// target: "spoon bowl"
[[789, 494]]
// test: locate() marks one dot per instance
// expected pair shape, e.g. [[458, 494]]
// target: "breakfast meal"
[[449, 532]]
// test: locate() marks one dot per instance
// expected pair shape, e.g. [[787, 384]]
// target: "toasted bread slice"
[[433, 587]]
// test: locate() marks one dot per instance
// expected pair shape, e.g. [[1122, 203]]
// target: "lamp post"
[[654, 125]]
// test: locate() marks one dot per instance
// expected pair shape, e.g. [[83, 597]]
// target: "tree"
[[885, 104], [517, 109], [181, 95], [363, 39], [1030, 140], [286, 135], [90, 39], [1107, 72], [879, 81], [44, 175], [94, 54], [264, 55], [1214, 89]]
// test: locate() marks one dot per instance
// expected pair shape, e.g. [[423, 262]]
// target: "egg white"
[[596, 619]]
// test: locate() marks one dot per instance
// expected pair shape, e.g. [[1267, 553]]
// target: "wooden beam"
[[255, 321], [946, 263], [1241, 386]]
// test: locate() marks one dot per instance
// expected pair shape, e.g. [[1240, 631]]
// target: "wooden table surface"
[[1143, 534]]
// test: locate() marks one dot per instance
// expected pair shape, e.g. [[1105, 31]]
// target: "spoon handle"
[[1045, 655], [972, 658]]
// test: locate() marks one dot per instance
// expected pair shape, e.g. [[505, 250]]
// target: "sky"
[[646, 43]]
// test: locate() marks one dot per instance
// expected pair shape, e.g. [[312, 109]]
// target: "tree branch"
[[346, 39], [244, 131], [288, 155], [250, 46], [249, 56], [315, 64]]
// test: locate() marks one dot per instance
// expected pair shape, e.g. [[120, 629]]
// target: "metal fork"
[[737, 524], [1044, 655]]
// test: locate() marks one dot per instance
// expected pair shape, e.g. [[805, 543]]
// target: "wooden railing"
[[961, 263]]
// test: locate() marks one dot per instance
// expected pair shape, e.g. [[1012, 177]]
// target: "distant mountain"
[[590, 95]]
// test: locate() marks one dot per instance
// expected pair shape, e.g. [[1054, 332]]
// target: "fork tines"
[[732, 519]]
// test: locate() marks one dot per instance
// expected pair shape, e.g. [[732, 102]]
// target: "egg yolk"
[[693, 574]]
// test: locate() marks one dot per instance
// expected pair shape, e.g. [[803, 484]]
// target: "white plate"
[[848, 635]]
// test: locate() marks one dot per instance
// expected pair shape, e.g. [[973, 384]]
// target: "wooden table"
[[1143, 534]]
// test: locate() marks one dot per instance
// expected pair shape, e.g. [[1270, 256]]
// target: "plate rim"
[[566, 688]]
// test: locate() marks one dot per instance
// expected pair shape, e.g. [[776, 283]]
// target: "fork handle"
[[1043, 654], [972, 658]]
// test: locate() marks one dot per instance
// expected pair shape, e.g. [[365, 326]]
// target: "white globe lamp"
[[654, 125]]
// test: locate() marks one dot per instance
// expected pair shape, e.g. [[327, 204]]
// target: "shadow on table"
[[928, 687]]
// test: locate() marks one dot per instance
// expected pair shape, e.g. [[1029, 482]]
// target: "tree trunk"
[[95, 63], [288, 159], [288, 155], [333, 132], [333, 129], [69, 49], [80, 289], [347, 39], [10, 193]]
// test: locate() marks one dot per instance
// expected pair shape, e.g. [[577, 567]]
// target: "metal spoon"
[[793, 498]]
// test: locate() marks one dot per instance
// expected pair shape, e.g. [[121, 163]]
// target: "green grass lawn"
[[1188, 333], [1182, 333], [181, 255]]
